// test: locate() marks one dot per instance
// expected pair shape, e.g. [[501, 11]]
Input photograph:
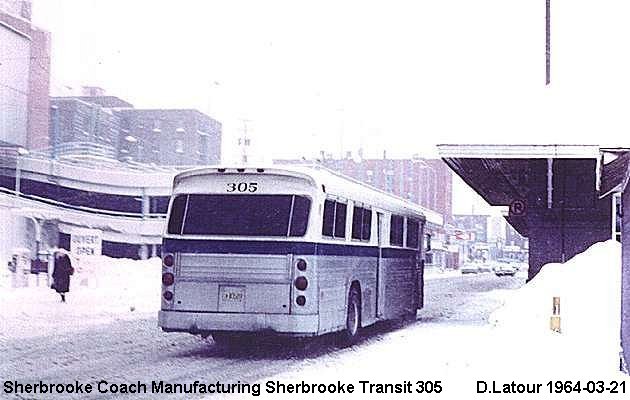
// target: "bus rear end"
[[235, 258]]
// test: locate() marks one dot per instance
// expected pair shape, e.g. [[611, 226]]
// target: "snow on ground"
[[454, 340], [102, 290], [516, 345], [440, 273]]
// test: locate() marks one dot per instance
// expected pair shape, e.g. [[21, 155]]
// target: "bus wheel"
[[353, 318]]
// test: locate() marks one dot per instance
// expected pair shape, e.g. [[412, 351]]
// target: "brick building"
[[422, 181], [75, 122], [170, 137], [111, 127]]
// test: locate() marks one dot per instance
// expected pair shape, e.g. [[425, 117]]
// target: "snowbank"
[[589, 288], [102, 291]]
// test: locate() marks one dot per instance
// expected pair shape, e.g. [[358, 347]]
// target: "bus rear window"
[[239, 215]]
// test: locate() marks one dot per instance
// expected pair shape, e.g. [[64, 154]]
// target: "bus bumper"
[[196, 322]]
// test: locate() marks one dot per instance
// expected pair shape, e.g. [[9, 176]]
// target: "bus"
[[291, 250]]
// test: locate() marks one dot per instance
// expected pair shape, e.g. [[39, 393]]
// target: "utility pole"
[[244, 142], [548, 42]]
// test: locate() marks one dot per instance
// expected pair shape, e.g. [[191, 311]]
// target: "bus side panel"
[[398, 274], [334, 275]]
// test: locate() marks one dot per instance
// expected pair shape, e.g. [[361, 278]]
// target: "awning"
[[500, 173]]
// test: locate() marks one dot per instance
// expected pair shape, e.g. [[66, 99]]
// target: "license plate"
[[231, 298]]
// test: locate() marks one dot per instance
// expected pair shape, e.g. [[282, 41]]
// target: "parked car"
[[469, 269], [502, 269], [484, 267]]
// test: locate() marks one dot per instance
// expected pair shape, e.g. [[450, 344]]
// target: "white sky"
[[331, 75]]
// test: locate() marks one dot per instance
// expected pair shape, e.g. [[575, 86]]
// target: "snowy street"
[[130, 350]]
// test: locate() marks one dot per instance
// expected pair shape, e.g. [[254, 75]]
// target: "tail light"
[[168, 279], [168, 260], [300, 300], [168, 296], [301, 283], [301, 265]]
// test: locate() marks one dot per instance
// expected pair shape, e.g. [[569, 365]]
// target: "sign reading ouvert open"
[[86, 242]]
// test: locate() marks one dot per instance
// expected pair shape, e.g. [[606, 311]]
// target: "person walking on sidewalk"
[[61, 274]]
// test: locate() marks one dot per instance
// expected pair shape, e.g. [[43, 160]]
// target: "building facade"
[[24, 91], [24, 77], [169, 137], [75, 122], [422, 181], [110, 127]]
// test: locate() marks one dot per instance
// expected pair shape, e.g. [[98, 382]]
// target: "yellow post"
[[554, 323]]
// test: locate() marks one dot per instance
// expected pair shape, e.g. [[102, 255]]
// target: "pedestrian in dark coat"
[[61, 274]]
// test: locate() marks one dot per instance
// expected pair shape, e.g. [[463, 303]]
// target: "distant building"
[[513, 238], [169, 137], [110, 127], [77, 124], [422, 181], [477, 225], [105, 101], [92, 91], [24, 77]]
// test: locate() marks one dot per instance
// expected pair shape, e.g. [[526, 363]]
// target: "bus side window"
[[299, 221], [357, 222], [413, 230], [366, 233], [396, 231], [329, 218], [176, 219], [340, 220]]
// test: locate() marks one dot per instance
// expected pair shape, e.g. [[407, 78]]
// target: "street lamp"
[[21, 151]]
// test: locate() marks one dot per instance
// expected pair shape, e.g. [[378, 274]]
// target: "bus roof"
[[330, 181]]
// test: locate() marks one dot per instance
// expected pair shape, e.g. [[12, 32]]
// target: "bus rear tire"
[[350, 335]]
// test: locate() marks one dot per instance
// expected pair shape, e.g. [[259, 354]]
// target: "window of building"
[[157, 125], [179, 146], [396, 230], [389, 182]]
